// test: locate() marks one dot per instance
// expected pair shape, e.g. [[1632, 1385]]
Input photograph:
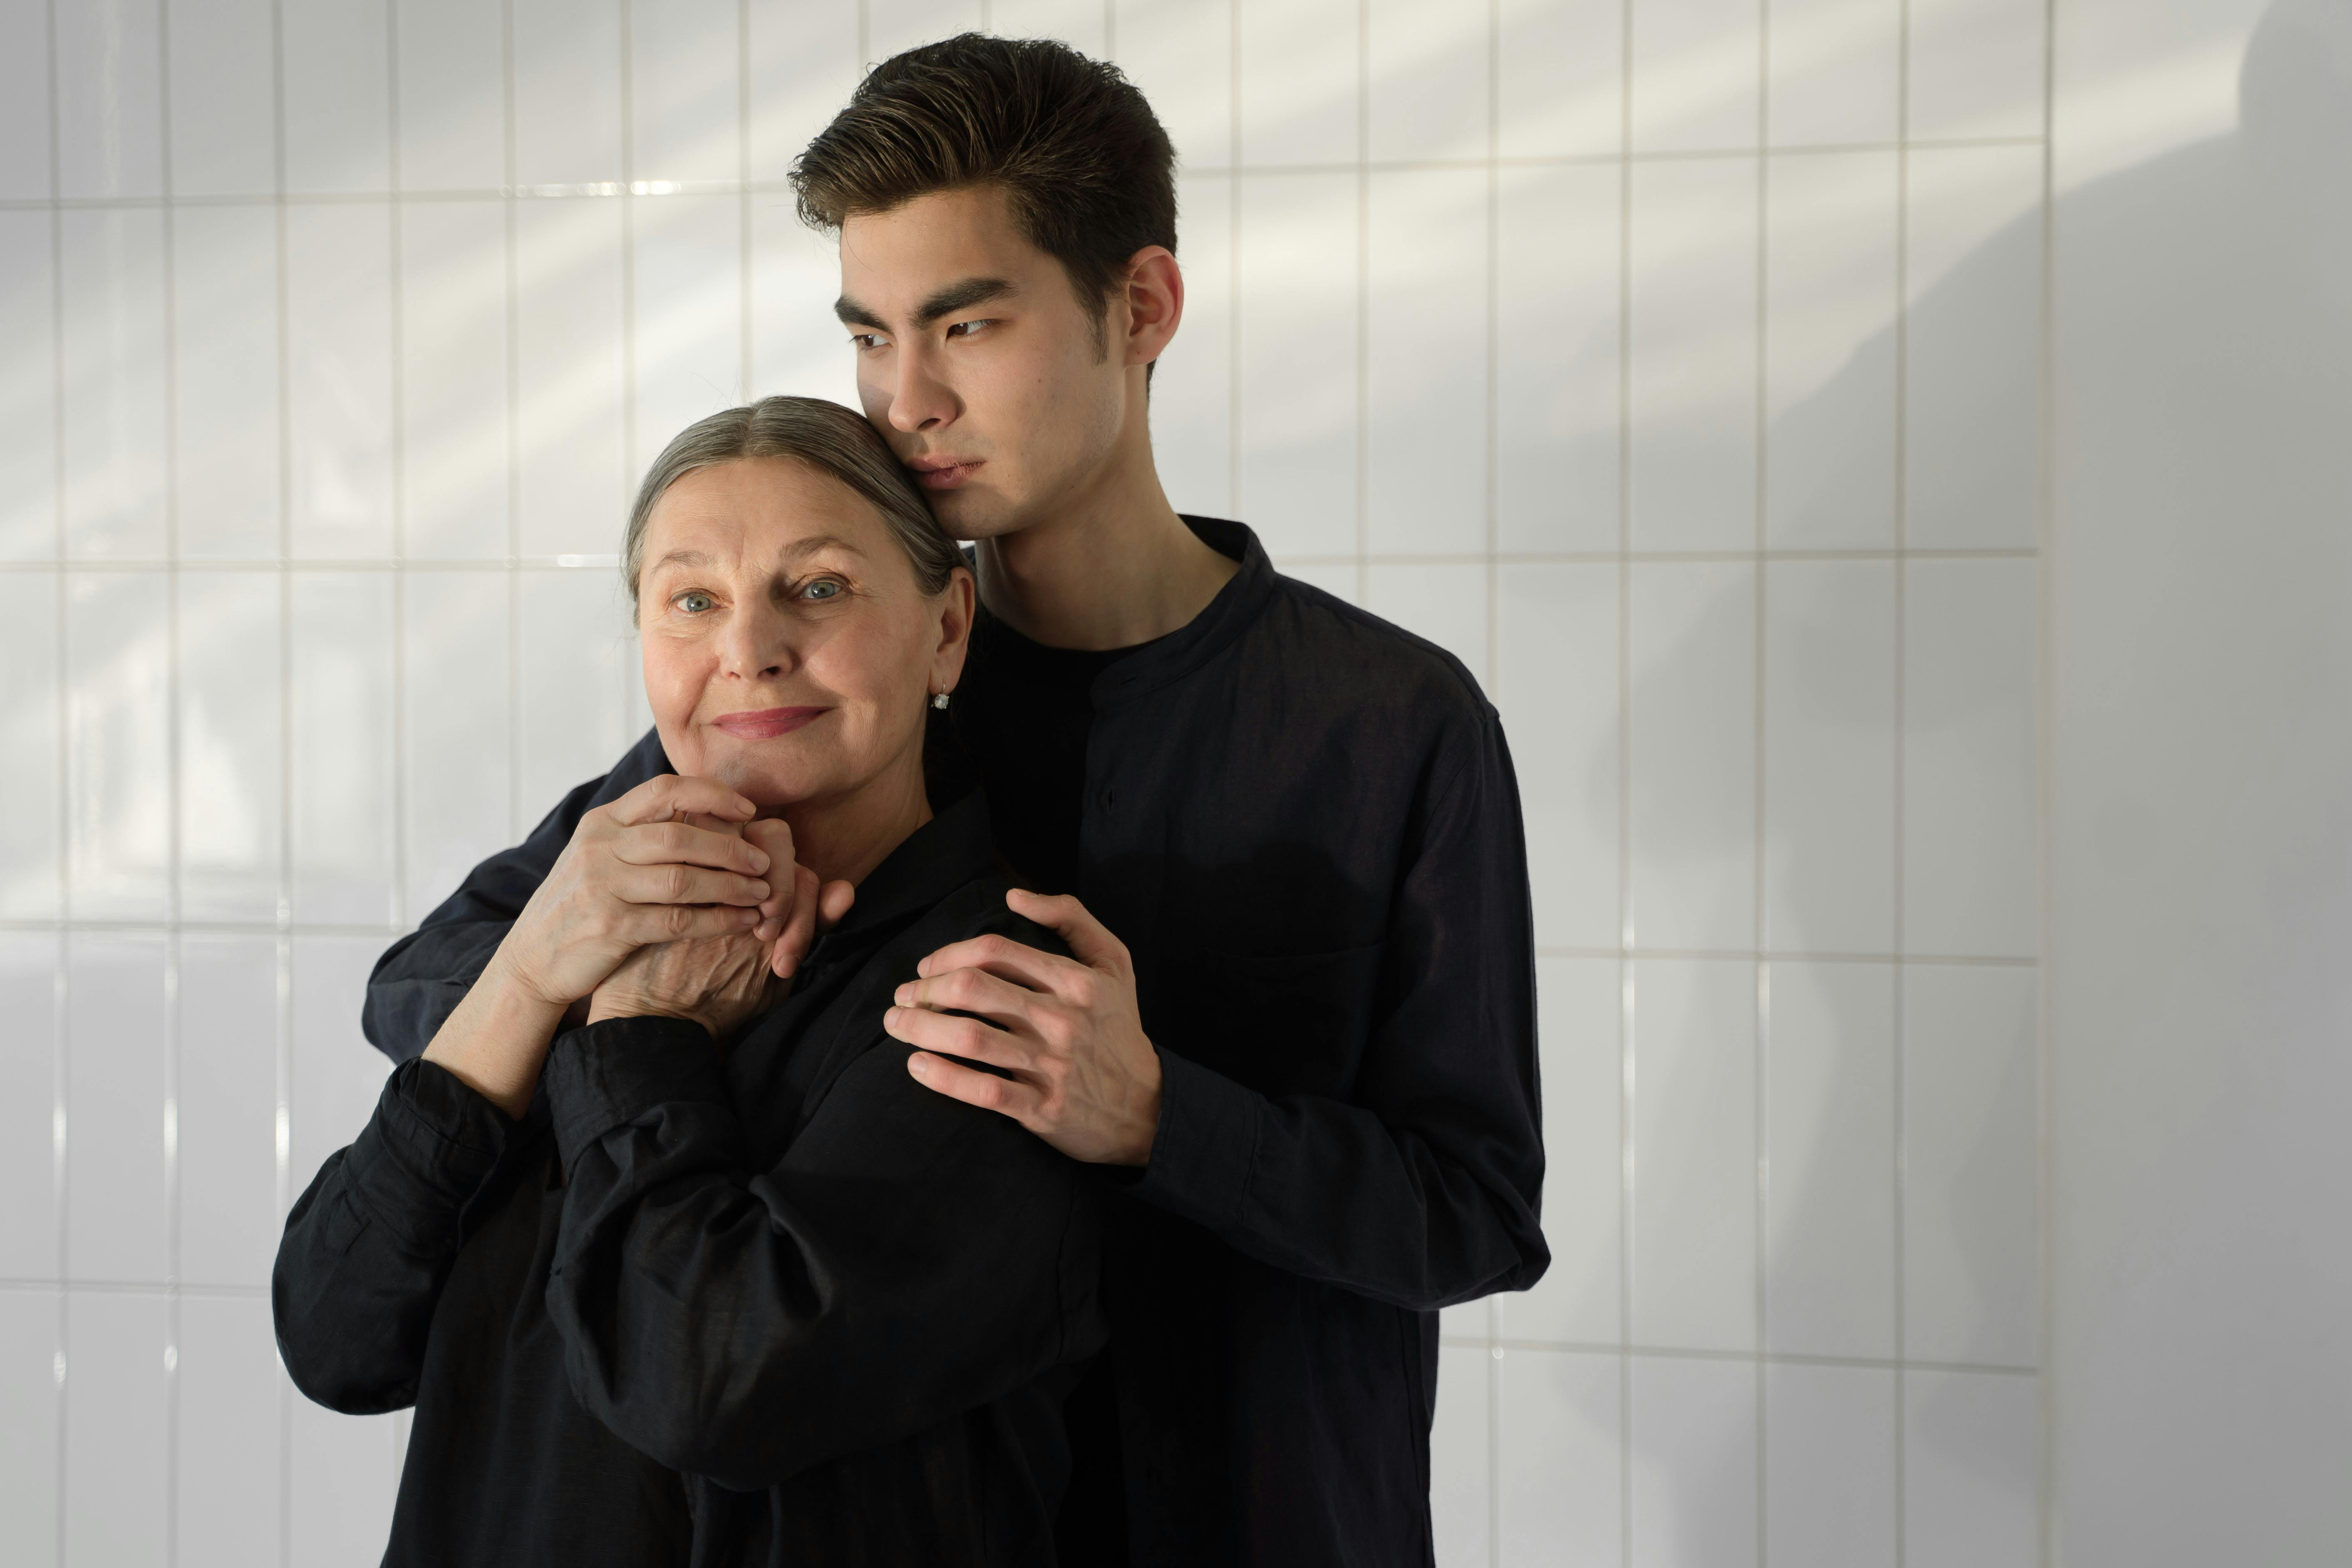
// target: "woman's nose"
[[758, 643]]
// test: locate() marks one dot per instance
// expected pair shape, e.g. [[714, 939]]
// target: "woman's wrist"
[[495, 1039], [607, 1001]]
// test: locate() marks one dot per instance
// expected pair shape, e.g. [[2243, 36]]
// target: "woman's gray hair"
[[828, 437]]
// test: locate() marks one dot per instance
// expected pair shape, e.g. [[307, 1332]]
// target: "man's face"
[[977, 362]]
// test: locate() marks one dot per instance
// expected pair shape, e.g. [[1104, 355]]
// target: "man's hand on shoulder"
[[1084, 1077]]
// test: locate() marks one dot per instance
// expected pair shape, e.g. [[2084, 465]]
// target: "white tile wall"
[[332, 336]]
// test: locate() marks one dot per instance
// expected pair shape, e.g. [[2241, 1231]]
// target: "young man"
[[1310, 1052]]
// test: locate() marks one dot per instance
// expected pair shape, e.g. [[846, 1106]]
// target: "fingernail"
[[900, 996], [759, 862], [924, 969]]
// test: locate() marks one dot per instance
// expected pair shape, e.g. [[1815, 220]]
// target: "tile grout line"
[[174, 892], [1233, 262], [1363, 301], [61, 1034], [629, 109], [396, 292], [744, 291], [625, 138], [138, 1287], [510, 161], [2045, 661], [608, 190], [575, 562], [282, 1120], [1790, 955], [1626, 997], [1900, 676], [1761, 1065], [1493, 345]]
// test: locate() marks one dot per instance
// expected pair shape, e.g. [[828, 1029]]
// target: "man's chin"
[[972, 512]]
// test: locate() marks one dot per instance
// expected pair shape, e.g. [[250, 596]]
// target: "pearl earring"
[[939, 699]]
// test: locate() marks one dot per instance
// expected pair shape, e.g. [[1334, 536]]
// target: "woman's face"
[[789, 650]]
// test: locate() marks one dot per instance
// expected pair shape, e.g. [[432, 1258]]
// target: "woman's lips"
[[947, 478], [766, 723]]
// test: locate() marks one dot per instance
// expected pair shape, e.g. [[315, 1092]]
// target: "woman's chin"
[[770, 790], [767, 782]]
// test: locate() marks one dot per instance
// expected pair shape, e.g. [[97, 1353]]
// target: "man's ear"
[[1154, 295]]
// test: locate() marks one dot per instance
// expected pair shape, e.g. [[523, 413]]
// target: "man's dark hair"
[[1088, 170]]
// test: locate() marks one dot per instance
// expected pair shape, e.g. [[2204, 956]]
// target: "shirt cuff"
[[431, 1145], [1206, 1144], [607, 1075]]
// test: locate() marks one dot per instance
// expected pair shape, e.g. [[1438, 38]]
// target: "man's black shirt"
[[1303, 823], [1036, 790], [778, 1306]]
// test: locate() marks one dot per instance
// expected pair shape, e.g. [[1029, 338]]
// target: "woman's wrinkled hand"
[[718, 981], [722, 982], [667, 862]]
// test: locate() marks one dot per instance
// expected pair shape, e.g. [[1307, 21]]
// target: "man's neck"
[[1111, 567]]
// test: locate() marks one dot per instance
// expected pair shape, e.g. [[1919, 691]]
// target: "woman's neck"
[[844, 837]]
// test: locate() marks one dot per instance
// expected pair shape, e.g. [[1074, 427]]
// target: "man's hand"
[[1085, 1078]]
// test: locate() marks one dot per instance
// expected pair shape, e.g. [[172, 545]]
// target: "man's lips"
[[944, 473], [766, 723]]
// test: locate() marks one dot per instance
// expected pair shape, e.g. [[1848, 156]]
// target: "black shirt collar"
[[950, 849], [1169, 658]]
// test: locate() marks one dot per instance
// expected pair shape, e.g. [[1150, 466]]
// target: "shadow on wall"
[[2203, 833], [2203, 765]]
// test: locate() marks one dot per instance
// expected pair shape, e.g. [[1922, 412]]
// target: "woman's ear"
[[956, 602]]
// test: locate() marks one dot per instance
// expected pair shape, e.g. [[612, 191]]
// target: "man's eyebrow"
[[947, 301], [960, 296]]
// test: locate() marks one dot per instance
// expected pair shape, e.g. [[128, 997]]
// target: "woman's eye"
[[821, 591], [694, 603]]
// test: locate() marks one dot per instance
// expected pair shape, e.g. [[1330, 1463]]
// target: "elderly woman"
[[710, 1278]]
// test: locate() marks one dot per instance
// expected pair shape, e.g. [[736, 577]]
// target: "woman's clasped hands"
[[675, 901]]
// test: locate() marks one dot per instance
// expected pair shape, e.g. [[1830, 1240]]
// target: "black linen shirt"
[[778, 1305], [1303, 822]]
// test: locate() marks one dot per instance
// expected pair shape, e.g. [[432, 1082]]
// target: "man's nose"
[[920, 400]]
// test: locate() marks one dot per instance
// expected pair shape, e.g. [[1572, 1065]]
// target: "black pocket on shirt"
[[1292, 1024]]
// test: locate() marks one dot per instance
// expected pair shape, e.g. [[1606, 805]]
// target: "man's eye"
[[694, 603], [966, 329], [865, 341]]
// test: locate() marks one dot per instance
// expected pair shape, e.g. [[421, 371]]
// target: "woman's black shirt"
[[778, 1305]]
